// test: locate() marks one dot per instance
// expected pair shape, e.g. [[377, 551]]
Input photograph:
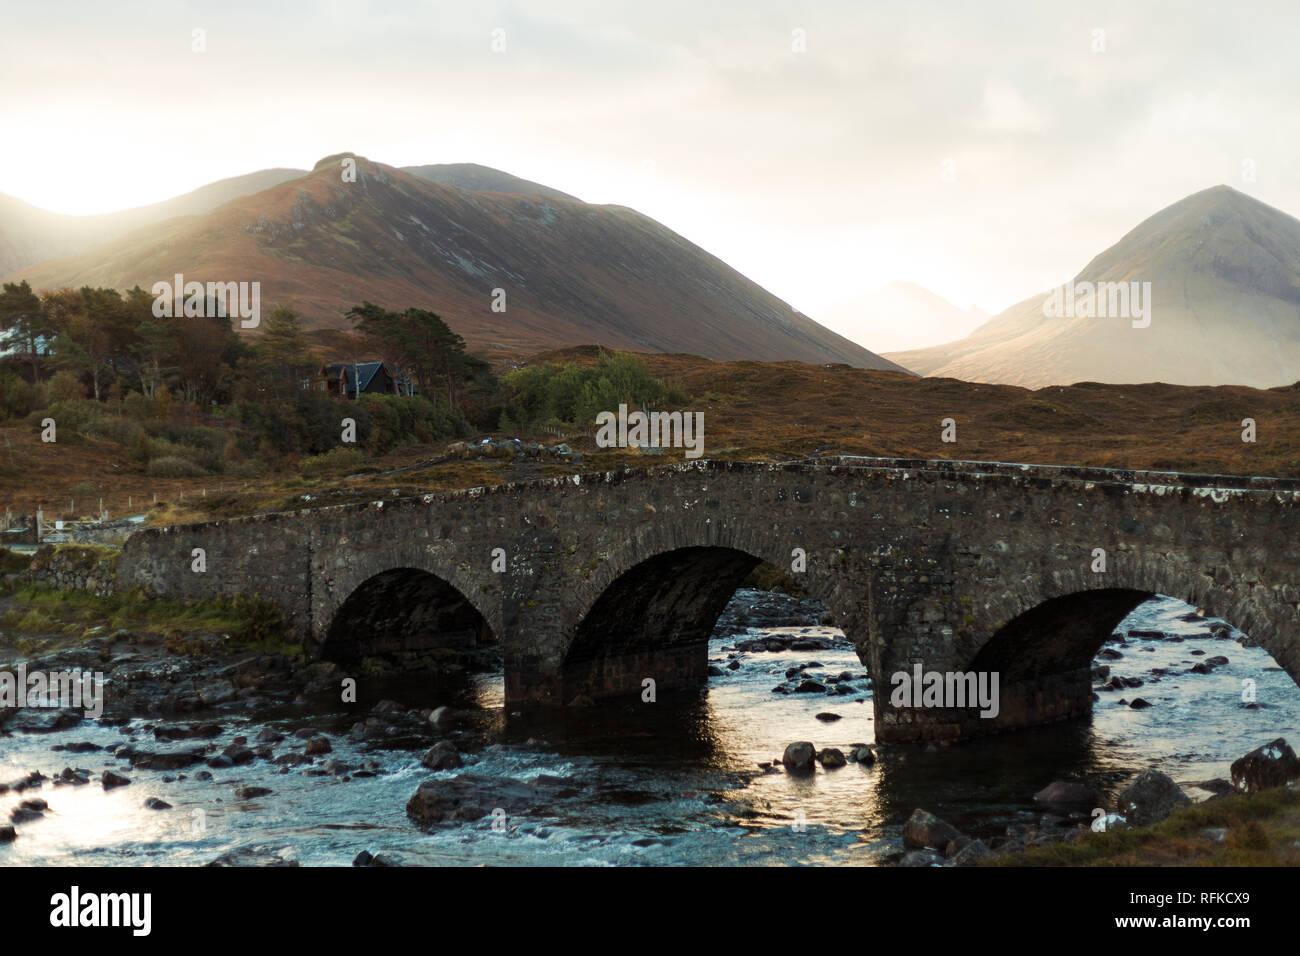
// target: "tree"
[[423, 349], [281, 354], [154, 345], [25, 324]]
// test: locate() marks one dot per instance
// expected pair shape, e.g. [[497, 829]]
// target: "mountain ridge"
[[1224, 270], [573, 273]]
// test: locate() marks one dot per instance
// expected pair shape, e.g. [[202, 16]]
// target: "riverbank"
[[1259, 829]]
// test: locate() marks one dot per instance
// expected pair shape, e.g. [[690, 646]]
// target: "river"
[[669, 783]]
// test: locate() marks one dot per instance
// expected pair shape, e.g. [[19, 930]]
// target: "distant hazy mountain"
[[572, 273], [1225, 286], [902, 315], [29, 235]]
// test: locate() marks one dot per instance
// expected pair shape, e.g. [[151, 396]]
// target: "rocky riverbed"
[[205, 755]]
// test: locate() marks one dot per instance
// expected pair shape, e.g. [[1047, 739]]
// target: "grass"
[[1263, 830], [35, 610]]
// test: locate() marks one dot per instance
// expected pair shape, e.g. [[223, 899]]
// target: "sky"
[[985, 151]]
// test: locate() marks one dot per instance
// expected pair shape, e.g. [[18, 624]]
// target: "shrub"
[[174, 467], [335, 461]]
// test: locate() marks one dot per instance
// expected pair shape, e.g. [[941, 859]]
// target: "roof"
[[366, 371]]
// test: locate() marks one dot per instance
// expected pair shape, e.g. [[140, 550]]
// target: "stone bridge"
[[603, 580]]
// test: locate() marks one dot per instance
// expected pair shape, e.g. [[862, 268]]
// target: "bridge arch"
[[1041, 635], [406, 614], [648, 608]]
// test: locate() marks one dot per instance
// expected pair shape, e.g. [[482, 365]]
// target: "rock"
[[1137, 703], [318, 745], [251, 793], [254, 856], [923, 829], [268, 736], [827, 717], [111, 780], [922, 858], [8, 834], [799, 757], [168, 760], [362, 859], [25, 815], [1271, 765], [831, 758], [1218, 786], [470, 796], [1109, 654], [154, 803], [971, 853], [810, 686], [440, 718], [36, 803], [1068, 793], [864, 755], [442, 756], [239, 754], [186, 731], [387, 859], [716, 671], [1150, 798]]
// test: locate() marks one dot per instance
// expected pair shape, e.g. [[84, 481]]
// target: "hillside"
[[752, 411], [29, 235], [572, 272], [1225, 283]]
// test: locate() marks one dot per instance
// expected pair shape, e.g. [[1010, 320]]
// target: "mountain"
[[902, 315], [1225, 309], [572, 273], [484, 179], [29, 235]]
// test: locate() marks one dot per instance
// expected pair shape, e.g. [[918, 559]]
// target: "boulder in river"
[[470, 796], [1271, 765], [923, 829], [1150, 798], [970, 854], [799, 757], [1068, 793], [254, 856], [111, 780], [442, 756], [831, 757]]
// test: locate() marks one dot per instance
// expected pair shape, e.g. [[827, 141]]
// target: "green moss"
[[1262, 831], [40, 610]]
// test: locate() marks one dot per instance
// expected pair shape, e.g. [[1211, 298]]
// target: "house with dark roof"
[[342, 379]]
